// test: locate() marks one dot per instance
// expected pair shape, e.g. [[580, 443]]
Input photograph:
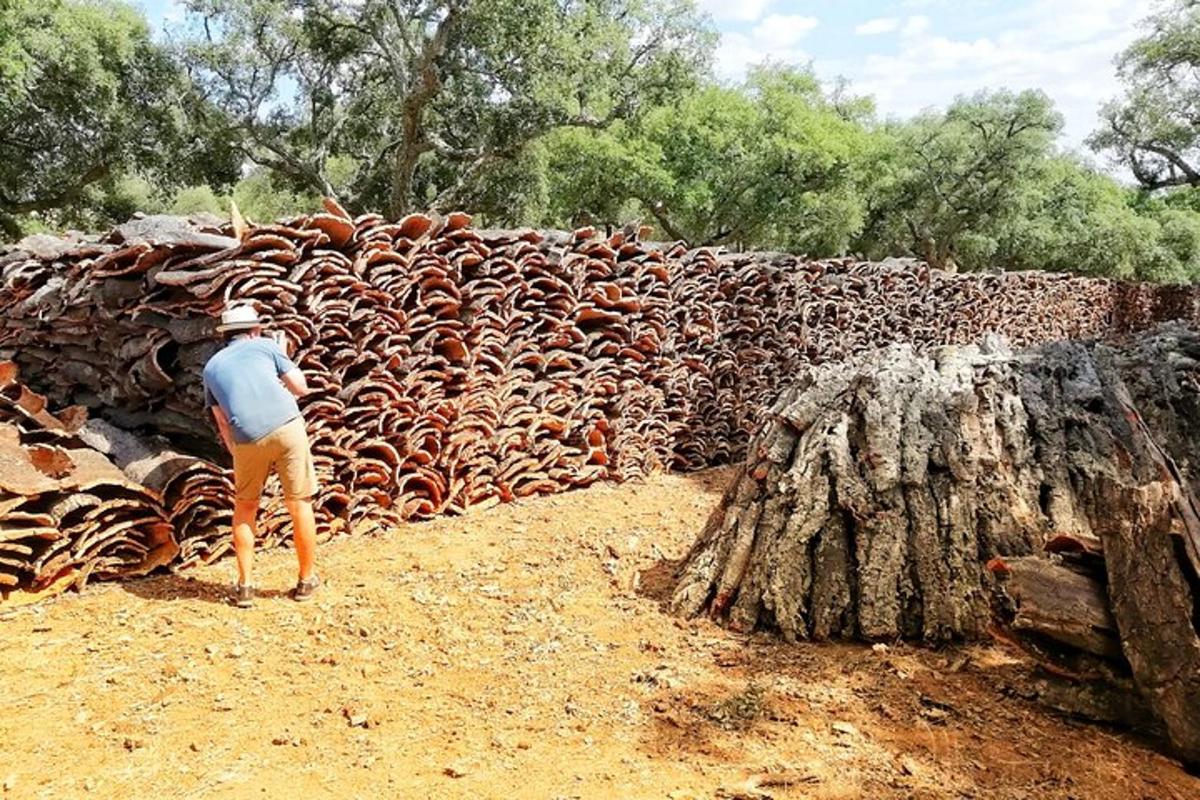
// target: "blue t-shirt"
[[243, 379]]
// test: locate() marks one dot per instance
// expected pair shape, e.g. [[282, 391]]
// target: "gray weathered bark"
[[880, 489], [865, 505]]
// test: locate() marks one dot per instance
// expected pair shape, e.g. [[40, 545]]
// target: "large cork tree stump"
[[880, 489]]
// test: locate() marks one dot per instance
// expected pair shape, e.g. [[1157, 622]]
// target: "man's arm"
[[294, 381], [223, 427], [289, 374]]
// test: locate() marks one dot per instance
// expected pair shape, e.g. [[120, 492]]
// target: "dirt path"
[[508, 654]]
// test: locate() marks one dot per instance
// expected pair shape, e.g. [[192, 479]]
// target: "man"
[[251, 386]]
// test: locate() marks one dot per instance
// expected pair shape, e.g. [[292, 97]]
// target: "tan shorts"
[[286, 449]]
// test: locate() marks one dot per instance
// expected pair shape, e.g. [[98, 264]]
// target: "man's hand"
[[295, 383], [223, 428]]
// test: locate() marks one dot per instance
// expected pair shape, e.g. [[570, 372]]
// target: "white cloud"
[[916, 25], [738, 51], [1064, 47], [783, 31], [776, 38], [736, 10], [874, 27]]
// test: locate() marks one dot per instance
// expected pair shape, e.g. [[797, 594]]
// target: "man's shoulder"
[[260, 344], [212, 362], [216, 358], [226, 355]]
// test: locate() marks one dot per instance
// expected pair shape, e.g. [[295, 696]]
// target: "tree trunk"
[[404, 167], [9, 227], [426, 83], [880, 488]]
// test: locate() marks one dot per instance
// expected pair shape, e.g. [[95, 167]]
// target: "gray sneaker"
[[306, 589], [243, 595]]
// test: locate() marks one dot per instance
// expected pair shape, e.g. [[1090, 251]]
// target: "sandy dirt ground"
[[519, 652]]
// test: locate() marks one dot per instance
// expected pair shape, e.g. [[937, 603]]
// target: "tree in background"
[[781, 163], [1074, 219], [428, 98], [1154, 129], [983, 186], [258, 195], [949, 183], [86, 99], [771, 163], [566, 112]]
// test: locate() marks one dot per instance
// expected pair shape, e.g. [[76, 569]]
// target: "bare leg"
[[304, 534], [244, 533]]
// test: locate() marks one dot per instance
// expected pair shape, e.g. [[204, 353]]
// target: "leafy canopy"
[[85, 98], [561, 112], [1154, 128], [430, 98], [950, 182], [771, 163]]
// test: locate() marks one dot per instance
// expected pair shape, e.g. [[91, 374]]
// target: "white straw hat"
[[236, 318]]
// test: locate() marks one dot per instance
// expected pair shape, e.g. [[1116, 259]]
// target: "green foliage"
[[1178, 252], [120, 200], [982, 186], [88, 98], [198, 200], [773, 163], [427, 100], [951, 182], [1077, 220], [261, 197], [512, 191], [543, 112], [1154, 129], [592, 177]]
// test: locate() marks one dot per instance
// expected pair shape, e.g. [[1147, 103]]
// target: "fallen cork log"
[[1061, 602], [886, 496]]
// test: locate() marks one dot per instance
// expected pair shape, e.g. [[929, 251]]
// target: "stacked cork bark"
[[1046, 496], [455, 368], [67, 513], [747, 324]]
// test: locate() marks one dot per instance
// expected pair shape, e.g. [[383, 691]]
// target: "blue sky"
[[916, 54]]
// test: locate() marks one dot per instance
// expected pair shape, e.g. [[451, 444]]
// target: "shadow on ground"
[[171, 587], [657, 582]]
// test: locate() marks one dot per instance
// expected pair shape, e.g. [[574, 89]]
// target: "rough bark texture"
[[868, 500], [879, 490], [1063, 603], [453, 368]]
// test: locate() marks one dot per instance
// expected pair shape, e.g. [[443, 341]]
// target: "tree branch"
[[97, 173], [1191, 176], [660, 212]]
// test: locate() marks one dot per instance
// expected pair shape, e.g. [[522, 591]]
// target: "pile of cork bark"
[[454, 367], [1047, 496]]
